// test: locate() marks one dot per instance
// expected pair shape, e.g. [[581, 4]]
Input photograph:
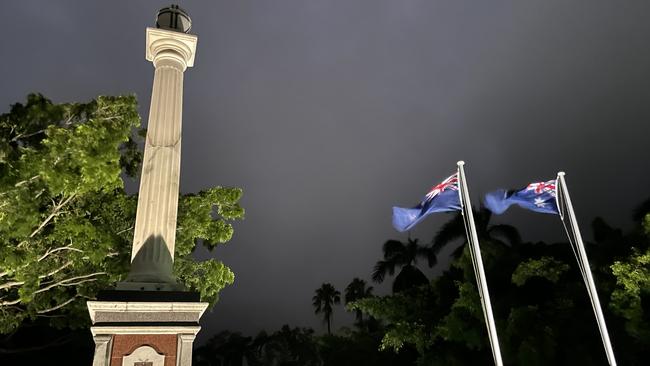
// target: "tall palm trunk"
[[329, 324], [325, 297]]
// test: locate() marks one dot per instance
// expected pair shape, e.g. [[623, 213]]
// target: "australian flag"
[[441, 198], [538, 197]]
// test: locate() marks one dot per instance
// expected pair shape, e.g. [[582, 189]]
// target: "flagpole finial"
[[460, 163], [560, 174]]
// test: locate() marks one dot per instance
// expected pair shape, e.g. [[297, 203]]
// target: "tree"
[[542, 311], [66, 223], [285, 347], [357, 290], [358, 347], [631, 297], [224, 349], [398, 254], [454, 229], [325, 297]]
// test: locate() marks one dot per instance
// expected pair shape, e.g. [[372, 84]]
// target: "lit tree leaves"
[[202, 217], [66, 223], [633, 281], [545, 267], [463, 323], [207, 277]]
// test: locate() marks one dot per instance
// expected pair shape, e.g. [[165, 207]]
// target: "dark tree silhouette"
[[455, 230], [286, 347], [224, 349], [357, 290], [398, 254], [325, 297]]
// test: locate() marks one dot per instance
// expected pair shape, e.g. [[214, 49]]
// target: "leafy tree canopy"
[[66, 223], [631, 297]]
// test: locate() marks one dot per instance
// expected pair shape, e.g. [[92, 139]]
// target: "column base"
[[145, 333], [149, 286]]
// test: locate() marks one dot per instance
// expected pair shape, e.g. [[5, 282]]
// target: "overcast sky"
[[327, 113]]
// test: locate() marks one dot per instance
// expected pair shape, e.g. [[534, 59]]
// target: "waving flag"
[[443, 197], [538, 197]]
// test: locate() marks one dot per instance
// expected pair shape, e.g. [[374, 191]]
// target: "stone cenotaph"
[[149, 319]]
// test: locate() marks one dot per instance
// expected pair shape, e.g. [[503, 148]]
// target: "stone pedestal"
[[145, 333]]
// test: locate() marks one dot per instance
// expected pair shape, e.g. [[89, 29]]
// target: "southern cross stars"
[[539, 202]]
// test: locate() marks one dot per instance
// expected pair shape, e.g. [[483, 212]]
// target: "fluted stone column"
[[155, 225], [146, 319]]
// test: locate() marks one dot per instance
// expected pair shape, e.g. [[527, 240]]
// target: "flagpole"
[[475, 252], [584, 263]]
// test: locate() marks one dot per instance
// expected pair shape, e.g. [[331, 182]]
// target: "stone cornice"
[[122, 311], [187, 330]]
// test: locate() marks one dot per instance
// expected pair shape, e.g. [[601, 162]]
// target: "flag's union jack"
[[449, 183], [442, 197], [543, 187]]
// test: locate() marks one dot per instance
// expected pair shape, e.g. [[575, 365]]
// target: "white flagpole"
[[475, 252], [584, 264]]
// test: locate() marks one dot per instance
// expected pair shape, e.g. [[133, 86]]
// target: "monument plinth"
[[149, 319]]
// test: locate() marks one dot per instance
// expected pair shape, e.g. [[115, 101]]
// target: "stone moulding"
[[162, 329], [161, 312]]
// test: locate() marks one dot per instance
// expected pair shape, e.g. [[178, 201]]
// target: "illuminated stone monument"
[[149, 320]]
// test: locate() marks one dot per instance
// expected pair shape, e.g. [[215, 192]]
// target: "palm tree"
[[357, 290], [398, 254], [455, 229], [325, 297], [497, 242]]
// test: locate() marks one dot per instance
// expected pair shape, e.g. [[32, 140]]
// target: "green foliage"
[[208, 277], [462, 324], [545, 267], [536, 345], [196, 218], [404, 332], [406, 315], [66, 223], [633, 281], [352, 348]]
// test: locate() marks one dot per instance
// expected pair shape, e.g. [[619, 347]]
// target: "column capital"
[[167, 44]]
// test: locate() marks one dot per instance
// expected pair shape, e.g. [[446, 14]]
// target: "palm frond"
[[450, 231], [432, 256], [392, 248], [380, 270], [482, 218], [507, 232]]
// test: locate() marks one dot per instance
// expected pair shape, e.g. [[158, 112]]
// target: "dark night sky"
[[327, 113]]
